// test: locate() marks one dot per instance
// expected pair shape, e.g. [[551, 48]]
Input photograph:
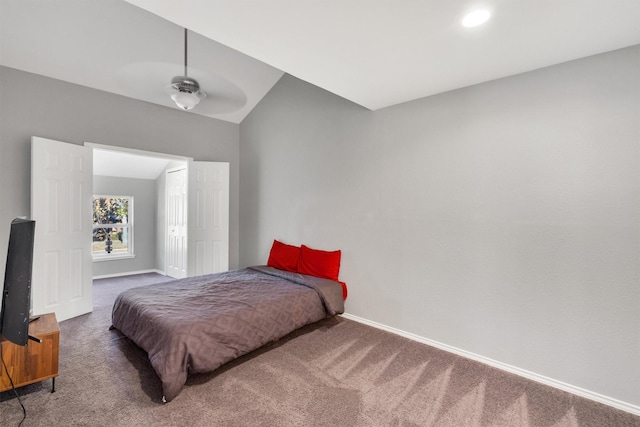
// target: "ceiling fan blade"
[[147, 81]]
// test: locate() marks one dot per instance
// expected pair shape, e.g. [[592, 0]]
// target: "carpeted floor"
[[333, 373]]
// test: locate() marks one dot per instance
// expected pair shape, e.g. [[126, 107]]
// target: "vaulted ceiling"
[[375, 53]]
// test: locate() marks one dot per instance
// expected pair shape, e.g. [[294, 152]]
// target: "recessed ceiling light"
[[475, 18]]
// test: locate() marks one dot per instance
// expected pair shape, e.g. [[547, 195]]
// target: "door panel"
[[176, 258], [61, 188], [208, 222]]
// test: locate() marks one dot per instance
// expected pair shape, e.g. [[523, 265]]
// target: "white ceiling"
[[111, 162], [375, 53]]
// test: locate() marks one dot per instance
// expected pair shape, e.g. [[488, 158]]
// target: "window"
[[112, 227]]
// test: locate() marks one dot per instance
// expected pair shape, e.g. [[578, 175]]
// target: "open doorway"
[[191, 232], [141, 178]]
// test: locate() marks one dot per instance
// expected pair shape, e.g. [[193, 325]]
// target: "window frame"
[[129, 226]]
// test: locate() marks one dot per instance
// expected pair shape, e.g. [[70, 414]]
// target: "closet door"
[[208, 223], [61, 187], [176, 257]]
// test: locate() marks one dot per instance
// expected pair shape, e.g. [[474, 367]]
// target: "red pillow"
[[344, 291], [284, 257], [314, 262]]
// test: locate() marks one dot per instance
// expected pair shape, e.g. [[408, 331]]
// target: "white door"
[[61, 188], [176, 257], [208, 219]]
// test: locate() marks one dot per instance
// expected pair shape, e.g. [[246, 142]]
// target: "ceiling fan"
[[184, 90]]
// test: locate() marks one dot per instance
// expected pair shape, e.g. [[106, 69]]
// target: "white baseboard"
[[127, 273], [606, 400]]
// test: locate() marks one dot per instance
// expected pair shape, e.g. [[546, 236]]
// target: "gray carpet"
[[334, 373]]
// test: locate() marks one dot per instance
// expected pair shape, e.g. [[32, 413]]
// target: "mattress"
[[197, 324]]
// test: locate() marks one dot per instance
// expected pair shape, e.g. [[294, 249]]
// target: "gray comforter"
[[195, 325]]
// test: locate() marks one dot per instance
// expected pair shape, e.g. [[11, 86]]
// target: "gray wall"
[[501, 219], [144, 223], [40, 106]]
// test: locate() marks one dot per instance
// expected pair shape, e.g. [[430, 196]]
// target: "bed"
[[197, 324]]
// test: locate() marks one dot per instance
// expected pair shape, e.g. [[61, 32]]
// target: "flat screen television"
[[16, 294]]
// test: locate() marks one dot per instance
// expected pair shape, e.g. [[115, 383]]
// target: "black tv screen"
[[16, 295]]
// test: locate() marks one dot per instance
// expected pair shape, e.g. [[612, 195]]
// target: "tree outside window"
[[112, 226]]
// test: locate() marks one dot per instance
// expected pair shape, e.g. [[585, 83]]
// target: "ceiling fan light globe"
[[185, 100]]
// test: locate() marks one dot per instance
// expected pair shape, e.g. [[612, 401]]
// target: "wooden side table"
[[36, 361]]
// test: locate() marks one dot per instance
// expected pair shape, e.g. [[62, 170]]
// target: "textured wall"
[[501, 219]]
